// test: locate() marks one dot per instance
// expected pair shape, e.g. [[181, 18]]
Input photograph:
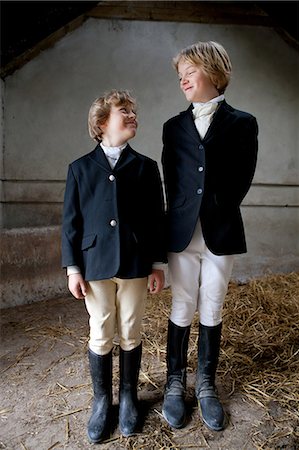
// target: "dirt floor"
[[46, 393]]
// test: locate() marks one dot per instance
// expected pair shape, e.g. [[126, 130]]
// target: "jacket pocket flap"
[[88, 241]]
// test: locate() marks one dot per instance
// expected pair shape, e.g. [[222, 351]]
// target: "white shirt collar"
[[112, 149], [113, 153], [217, 99]]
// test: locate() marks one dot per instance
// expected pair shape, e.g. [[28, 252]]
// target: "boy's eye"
[[128, 111], [190, 72]]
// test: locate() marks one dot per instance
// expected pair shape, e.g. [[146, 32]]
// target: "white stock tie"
[[203, 115], [112, 153]]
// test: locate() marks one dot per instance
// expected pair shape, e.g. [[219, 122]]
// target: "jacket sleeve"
[[156, 214], [168, 167], [71, 223], [245, 159]]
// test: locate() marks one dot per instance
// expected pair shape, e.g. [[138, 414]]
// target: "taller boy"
[[209, 158]]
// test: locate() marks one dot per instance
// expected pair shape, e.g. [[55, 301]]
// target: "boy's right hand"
[[77, 285]]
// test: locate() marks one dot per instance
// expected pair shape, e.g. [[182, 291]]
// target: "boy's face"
[[120, 126], [194, 82]]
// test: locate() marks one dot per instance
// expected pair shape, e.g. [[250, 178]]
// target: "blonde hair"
[[212, 58], [100, 110]]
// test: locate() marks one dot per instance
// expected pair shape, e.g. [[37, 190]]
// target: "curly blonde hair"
[[212, 58], [100, 110]]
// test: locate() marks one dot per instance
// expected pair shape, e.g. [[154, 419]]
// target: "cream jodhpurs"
[[199, 281], [115, 304]]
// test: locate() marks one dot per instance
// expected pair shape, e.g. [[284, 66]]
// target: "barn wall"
[[30, 261], [2, 87], [46, 104]]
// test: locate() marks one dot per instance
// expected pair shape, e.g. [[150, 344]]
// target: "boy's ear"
[[101, 126]]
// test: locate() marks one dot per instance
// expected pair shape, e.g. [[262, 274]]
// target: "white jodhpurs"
[[199, 281]]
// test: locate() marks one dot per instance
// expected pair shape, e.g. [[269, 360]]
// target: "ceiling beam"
[[209, 12], [183, 11]]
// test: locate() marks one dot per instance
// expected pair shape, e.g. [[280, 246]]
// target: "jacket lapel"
[[221, 115], [98, 156], [187, 122], [126, 157]]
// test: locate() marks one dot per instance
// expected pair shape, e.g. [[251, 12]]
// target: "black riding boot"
[[101, 375], [173, 409], [208, 352], [128, 404]]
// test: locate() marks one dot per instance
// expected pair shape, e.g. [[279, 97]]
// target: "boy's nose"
[[183, 81]]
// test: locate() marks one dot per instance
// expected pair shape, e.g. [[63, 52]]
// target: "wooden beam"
[[240, 13], [183, 11]]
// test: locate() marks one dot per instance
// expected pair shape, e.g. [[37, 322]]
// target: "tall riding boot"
[[128, 404], [208, 353], [101, 375], [173, 409]]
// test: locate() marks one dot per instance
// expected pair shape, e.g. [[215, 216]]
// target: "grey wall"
[[30, 262], [1, 150], [46, 104]]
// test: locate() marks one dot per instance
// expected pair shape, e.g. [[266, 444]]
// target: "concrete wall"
[[47, 101], [2, 86], [30, 263]]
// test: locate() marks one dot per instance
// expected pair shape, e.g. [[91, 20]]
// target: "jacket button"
[[200, 169], [201, 147], [111, 177], [113, 223], [199, 191]]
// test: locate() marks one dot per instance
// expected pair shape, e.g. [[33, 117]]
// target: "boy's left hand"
[[156, 281]]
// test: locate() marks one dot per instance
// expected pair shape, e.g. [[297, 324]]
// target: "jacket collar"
[[99, 157], [187, 121]]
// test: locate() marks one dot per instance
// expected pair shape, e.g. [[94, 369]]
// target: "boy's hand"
[[77, 285], [156, 281]]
